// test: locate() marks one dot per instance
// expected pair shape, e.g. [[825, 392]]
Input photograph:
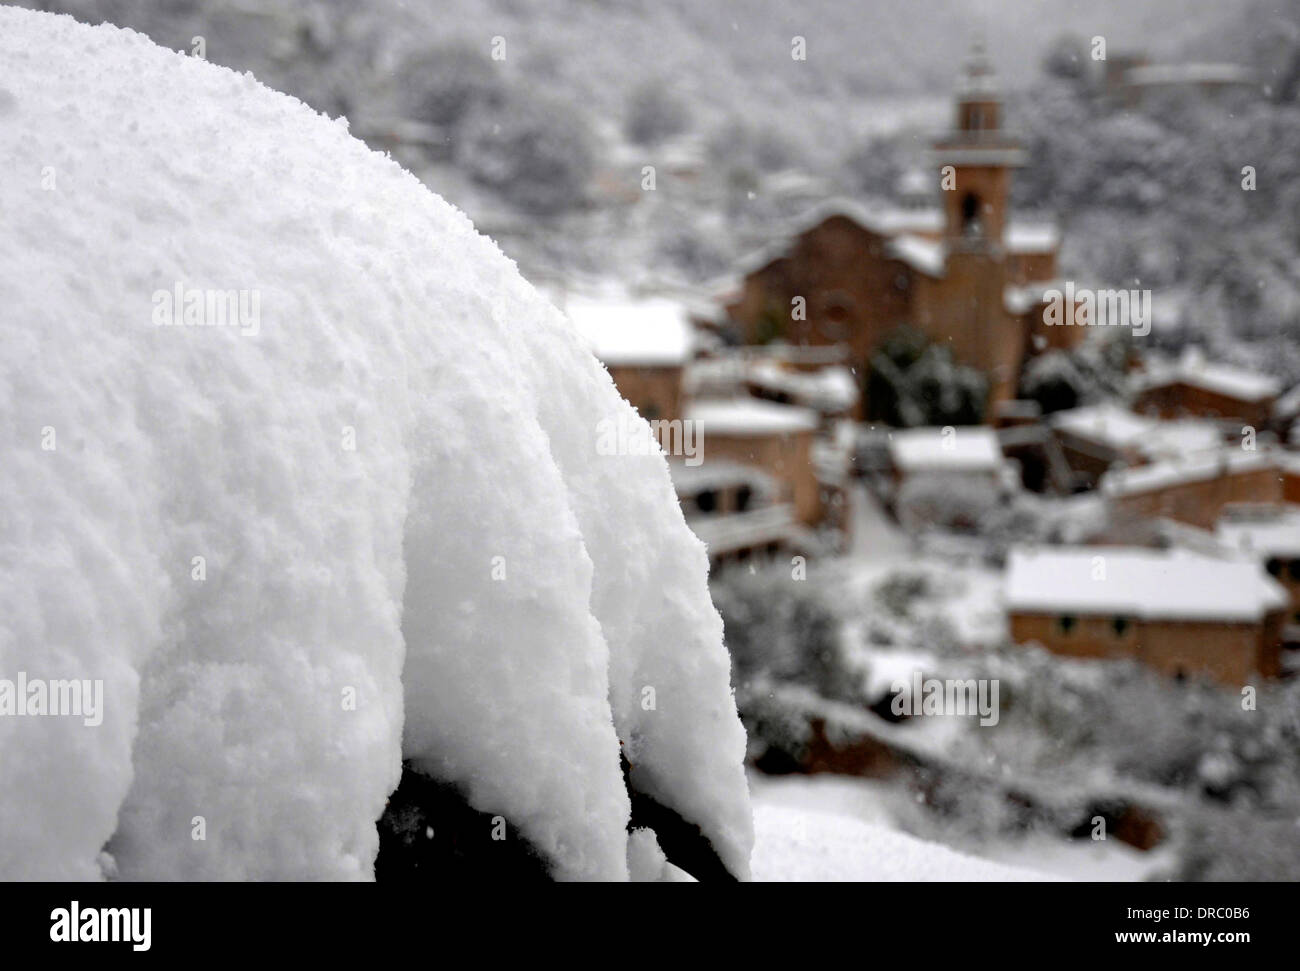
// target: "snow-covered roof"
[[909, 220], [1193, 467], [926, 255], [1187, 436], [749, 416], [1268, 531], [1107, 423], [633, 332], [884, 219], [825, 389], [1150, 584], [1222, 379], [965, 449], [1118, 428], [1027, 237], [762, 256], [902, 224]]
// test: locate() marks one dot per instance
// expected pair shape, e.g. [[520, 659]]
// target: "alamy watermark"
[[930, 696], [77, 924], [626, 435], [1081, 307], [77, 698], [183, 306]]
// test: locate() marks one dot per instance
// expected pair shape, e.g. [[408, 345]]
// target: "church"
[[964, 272]]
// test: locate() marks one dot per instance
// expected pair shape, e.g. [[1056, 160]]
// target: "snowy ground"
[[828, 827], [802, 845]]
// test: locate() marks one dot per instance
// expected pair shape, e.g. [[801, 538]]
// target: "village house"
[[1182, 613], [946, 476], [1269, 534], [734, 509], [830, 391], [760, 473], [644, 344], [963, 273], [1195, 488], [775, 438], [1096, 437], [958, 455], [1196, 387]]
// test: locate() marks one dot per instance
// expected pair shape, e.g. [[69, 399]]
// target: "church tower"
[[975, 160]]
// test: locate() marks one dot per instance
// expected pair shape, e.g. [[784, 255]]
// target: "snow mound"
[[795, 845], [366, 522]]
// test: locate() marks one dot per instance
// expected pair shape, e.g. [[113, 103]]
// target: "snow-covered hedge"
[[367, 523]]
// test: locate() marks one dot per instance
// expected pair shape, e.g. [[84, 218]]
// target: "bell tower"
[[975, 160]]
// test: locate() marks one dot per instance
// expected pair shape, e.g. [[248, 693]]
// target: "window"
[[839, 307], [706, 501], [1275, 566], [1294, 569], [743, 495], [971, 208], [1066, 623], [1119, 625]]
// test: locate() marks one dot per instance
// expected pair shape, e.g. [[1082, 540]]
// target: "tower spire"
[[978, 79], [980, 155]]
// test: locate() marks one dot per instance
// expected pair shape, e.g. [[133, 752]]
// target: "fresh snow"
[[749, 416], [394, 485], [1118, 428], [1107, 423], [876, 802], [828, 389], [801, 845], [1272, 531], [1179, 469], [1165, 584], [648, 333], [926, 255], [965, 449], [1024, 237], [1193, 369]]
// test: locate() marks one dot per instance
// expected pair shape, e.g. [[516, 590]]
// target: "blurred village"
[[883, 408]]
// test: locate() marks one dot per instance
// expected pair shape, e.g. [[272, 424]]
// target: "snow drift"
[[362, 522]]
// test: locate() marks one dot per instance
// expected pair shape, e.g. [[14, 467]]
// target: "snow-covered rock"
[[367, 523]]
